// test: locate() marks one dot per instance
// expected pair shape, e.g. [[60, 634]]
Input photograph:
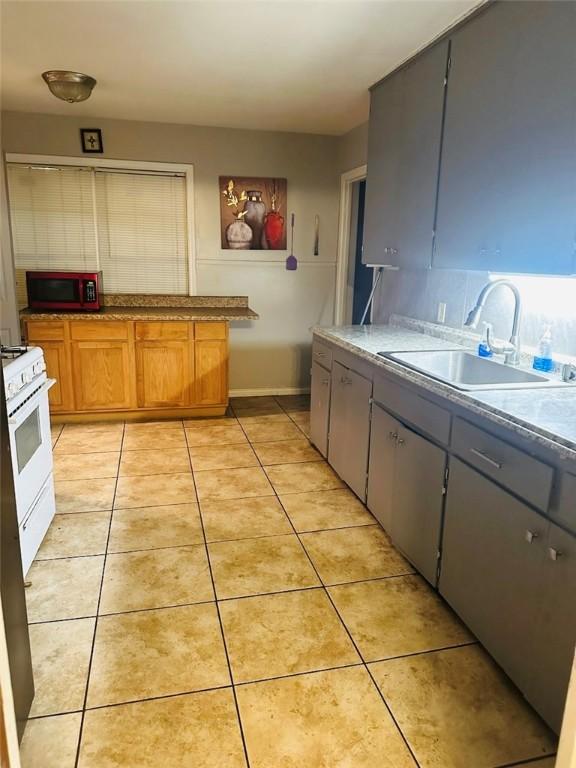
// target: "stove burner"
[[10, 353]]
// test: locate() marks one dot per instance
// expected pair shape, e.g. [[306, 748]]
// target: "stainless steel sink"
[[464, 370]]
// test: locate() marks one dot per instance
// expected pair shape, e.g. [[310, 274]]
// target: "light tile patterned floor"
[[210, 594]]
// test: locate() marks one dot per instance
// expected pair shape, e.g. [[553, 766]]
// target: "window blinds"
[[52, 217], [132, 225], [141, 224]]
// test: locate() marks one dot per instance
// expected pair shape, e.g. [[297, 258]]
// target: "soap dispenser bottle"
[[543, 358]]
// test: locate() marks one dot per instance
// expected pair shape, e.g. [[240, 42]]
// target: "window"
[[131, 224]]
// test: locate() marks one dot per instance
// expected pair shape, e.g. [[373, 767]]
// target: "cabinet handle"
[[481, 455], [325, 382], [401, 441], [393, 435], [554, 554], [530, 536], [345, 380], [320, 354]]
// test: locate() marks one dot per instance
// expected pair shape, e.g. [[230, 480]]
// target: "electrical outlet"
[[441, 314]]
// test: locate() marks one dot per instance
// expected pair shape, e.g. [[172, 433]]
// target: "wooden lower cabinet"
[[58, 366], [211, 378], [164, 374], [103, 375], [134, 366]]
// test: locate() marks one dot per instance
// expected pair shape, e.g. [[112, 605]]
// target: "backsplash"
[[417, 294]]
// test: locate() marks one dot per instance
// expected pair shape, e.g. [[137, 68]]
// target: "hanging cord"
[[372, 292]]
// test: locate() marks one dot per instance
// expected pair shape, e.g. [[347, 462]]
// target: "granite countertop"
[[546, 416], [157, 307]]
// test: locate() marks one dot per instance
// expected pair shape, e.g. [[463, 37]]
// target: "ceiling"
[[290, 65]]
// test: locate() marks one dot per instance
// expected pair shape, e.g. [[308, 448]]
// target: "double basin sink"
[[466, 371]]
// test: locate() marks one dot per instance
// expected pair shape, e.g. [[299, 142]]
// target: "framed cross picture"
[[91, 140]]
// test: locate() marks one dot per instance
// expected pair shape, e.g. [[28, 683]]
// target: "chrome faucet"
[[511, 350]]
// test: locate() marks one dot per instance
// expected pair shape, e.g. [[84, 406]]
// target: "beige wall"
[[353, 148], [272, 353]]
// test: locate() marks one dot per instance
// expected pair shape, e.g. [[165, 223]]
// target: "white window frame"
[[132, 165]]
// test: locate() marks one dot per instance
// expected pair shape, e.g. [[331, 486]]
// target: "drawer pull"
[[320, 354], [401, 441], [554, 554], [345, 380], [325, 382], [481, 455], [393, 435], [530, 536]]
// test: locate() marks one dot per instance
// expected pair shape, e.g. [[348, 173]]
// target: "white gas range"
[[27, 388]]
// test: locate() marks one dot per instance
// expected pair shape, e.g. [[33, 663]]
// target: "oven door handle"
[[48, 384]]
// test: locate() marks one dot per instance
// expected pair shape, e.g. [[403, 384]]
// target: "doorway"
[[353, 279]]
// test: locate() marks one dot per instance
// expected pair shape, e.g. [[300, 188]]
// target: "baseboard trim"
[[267, 391]]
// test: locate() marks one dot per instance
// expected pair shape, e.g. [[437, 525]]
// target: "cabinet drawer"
[[162, 331], [210, 331], [322, 354], [424, 415], [48, 331], [524, 475], [98, 330]]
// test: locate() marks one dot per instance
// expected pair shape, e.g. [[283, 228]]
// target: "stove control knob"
[[11, 389], [39, 367], [26, 377]]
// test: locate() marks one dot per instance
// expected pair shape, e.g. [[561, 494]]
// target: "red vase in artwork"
[[274, 230]]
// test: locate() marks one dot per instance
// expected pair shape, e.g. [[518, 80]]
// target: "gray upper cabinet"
[[507, 190], [403, 157], [350, 427]]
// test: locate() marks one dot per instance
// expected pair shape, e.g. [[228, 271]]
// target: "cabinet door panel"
[[383, 434], [320, 407], [350, 427], [58, 367], [164, 375], [403, 158], [211, 372], [492, 559], [556, 629], [418, 500], [507, 193], [103, 375]]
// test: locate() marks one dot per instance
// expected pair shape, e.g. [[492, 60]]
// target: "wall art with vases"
[[253, 213]]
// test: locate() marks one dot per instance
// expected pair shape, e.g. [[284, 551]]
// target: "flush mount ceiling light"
[[69, 86]]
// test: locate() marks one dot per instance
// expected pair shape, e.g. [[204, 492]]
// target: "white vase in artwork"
[[238, 235]]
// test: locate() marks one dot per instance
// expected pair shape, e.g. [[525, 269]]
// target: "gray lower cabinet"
[[555, 631], [511, 576], [383, 437], [507, 191], [403, 158], [350, 427], [406, 490], [492, 556], [418, 500], [320, 408]]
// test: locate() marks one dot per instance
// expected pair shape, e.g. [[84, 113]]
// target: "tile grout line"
[[81, 731], [363, 662], [207, 551]]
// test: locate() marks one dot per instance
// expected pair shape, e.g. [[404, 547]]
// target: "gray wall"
[[273, 353], [9, 325], [545, 300]]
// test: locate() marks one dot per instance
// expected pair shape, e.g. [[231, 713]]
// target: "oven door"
[[31, 446]]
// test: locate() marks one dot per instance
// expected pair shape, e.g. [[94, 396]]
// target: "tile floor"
[[210, 595]]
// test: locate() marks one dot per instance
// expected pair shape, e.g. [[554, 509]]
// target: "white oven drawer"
[[37, 521]]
